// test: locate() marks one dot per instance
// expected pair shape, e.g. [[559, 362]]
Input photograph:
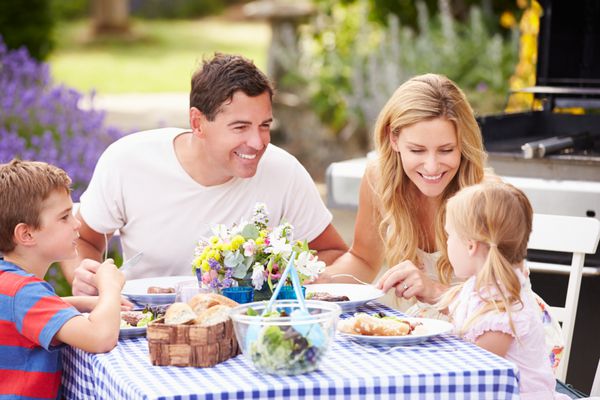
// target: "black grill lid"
[[569, 44]]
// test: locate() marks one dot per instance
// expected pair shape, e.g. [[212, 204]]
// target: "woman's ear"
[[393, 138], [23, 235]]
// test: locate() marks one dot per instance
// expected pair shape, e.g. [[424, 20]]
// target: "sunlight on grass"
[[159, 57]]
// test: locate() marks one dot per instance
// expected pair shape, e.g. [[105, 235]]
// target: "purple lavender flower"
[[41, 121], [214, 264]]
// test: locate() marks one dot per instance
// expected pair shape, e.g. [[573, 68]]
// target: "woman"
[[429, 146]]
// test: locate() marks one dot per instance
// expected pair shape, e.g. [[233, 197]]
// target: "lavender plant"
[[43, 121]]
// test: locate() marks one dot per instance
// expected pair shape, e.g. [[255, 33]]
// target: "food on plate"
[[204, 301], [179, 313], [160, 290], [324, 296], [376, 325]]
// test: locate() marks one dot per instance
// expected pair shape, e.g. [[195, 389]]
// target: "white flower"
[[261, 215], [221, 231], [279, 246], [258, 276], [308, 264]]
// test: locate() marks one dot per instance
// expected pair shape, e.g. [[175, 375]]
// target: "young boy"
[[37, 228]]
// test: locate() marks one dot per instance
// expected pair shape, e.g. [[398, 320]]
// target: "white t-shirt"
[[140, 188]]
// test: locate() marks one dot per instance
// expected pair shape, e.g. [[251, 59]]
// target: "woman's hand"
[[409, 281]]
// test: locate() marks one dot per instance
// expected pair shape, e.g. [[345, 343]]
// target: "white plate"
[[132, 331], [358, 294], [429, 328], [137, 289]]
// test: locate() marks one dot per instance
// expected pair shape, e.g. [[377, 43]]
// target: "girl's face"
[[430, 154], [459, 253]]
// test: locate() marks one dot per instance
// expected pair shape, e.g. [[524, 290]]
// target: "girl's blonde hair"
[[422, 98], [500, 216]]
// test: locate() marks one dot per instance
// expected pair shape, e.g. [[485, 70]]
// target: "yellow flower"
[[263, 233], [227, 246], [213, 240], [260, 240], [507, 20], [205, 266], [236, 242]]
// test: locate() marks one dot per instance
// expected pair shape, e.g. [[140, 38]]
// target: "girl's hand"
[[409, 281]]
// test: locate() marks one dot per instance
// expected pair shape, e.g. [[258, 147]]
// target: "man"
[[164, 189]]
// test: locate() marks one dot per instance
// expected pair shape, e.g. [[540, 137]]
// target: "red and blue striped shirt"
[[30, 316]]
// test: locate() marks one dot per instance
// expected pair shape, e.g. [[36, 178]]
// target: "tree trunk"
[[110, 16]]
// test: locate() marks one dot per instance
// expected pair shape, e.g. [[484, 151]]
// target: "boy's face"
[[238, 137], [59, 230]]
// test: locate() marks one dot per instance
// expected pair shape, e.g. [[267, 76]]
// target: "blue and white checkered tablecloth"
[[443, 367]]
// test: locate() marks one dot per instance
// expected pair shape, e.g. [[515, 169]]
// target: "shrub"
[[27, 23], [40, 121], [351, 65]]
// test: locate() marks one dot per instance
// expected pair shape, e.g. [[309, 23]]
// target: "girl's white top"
[[527, 351]]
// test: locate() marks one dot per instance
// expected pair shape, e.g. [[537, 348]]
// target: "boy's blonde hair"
[[500, 216], [24, 185], [422, 98]]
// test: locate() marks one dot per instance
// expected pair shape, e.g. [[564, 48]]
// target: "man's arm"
[[329, 245], [90, 247]]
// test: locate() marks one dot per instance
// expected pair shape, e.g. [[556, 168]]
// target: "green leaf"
[[250, 231]]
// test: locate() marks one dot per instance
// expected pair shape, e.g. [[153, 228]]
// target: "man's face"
[[238, 137]]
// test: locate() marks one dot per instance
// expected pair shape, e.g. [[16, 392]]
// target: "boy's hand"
[[109, 278], [84, 278]]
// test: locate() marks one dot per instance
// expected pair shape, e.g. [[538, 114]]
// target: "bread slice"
[[179, 313], [204, 301], [214, 315]]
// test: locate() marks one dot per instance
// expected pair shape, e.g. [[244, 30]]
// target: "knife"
[[132, 261]]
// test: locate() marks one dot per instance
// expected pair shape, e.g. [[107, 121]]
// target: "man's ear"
[[23, 235], [196, 119]]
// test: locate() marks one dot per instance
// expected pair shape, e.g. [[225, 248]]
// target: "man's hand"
[[84, 278]]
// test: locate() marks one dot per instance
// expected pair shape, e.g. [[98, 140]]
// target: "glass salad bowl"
[[286, 340]]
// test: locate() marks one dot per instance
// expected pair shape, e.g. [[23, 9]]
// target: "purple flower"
[[42, 121]]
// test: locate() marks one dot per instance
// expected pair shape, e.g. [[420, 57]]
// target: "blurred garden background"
[[76, 75]]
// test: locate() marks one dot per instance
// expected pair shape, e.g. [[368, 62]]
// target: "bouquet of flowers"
[[252, 251]]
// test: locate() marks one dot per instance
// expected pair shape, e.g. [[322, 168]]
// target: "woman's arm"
[[365, 257]]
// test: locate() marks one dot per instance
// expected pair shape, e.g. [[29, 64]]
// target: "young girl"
[[488, 226]]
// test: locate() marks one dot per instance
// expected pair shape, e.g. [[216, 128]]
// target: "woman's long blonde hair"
[[500, 216], [421, 98]]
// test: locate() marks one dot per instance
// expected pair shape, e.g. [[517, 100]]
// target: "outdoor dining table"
[[443, 367]]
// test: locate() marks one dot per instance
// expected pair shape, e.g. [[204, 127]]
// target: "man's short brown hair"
[[24, 185], [219, 78]]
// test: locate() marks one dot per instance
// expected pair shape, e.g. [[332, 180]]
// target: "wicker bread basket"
[[191, 345]]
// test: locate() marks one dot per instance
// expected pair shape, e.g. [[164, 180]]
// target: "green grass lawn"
[[160, 55]]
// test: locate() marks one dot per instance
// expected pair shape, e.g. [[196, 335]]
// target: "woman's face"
[[430, 154]]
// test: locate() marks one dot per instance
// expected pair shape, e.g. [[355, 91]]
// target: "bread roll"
[[214, 315], [365, 324], [179, 313], [204, 301]]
